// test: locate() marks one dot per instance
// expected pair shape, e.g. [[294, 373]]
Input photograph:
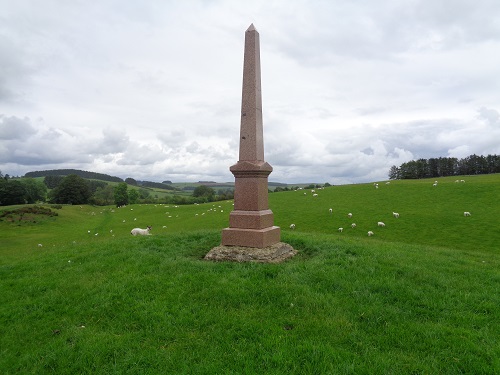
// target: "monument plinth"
[[252, 235]]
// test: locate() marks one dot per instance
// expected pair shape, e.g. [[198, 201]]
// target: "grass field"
[[421, 296]]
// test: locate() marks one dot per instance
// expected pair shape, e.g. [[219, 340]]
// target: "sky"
[[152, 89]]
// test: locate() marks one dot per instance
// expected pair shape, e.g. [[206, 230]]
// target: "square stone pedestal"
[[251, 237]]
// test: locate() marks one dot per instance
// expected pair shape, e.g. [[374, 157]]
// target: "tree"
[[11, 192], [394, 173], [52, 181], [204, 191], [144, 193], [72, 190], [131, 181], [103, 196], [121, 196], [133, 196], [34, 190], [95, 184]]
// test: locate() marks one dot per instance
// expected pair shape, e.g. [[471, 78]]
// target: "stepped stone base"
[[272, 254], [251, 237]]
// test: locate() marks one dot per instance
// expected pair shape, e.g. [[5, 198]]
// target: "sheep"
[[435, 184], [315, 195], [381, 224], [370, 233], [141, 232], [349, 215], [395, 214], [466, 213], [341, 230], [353, 225], [292, 226], [331, 210]]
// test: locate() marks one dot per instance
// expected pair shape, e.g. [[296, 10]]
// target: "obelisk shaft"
[[251, 222], [251, 130]]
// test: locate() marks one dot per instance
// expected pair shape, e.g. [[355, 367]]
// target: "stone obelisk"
[[251, 222], [251, 236]]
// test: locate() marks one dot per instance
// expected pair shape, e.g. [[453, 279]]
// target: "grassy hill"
[[420, 296]]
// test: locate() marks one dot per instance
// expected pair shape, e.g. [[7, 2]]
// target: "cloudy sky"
[[152, 89]]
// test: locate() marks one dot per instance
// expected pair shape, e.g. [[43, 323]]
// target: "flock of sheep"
[[353, 225], [380, 223]]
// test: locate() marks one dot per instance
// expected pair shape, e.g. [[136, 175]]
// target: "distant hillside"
[[67, 172]]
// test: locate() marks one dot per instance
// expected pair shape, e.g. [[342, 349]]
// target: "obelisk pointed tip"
[[251, 28]]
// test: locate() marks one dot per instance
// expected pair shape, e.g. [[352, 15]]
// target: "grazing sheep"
[[40, 245], [370, 233], [466, 213], [341, 230], [331, 210], [315, 195], [381, 224], [349, 215], [292, 226], [353, 225], [435, 184], [141, 232], [395, 214]]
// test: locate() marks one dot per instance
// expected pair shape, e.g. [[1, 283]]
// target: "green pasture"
[[421, 296]]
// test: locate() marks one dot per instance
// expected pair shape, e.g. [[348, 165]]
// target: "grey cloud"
[[12, 128], [490, 115], [113, 141]]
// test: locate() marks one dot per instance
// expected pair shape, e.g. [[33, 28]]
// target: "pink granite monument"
[[251, 223]]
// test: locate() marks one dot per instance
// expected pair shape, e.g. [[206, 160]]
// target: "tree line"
[[67, 172], [73, 189], [441, 167]]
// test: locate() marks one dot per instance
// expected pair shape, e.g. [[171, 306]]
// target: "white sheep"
[[349, 215], [395, 214], [292, 226], [331, 210], [353, 225], [370, 233], [341, 230], [381, 224], [141, 232], [466, 213], [435, 184], [315, 195]]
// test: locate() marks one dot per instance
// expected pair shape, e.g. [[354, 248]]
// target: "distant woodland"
[[441, 167], [67, 172]]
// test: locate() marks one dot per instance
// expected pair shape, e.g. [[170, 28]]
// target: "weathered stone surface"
[[275, 253]]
